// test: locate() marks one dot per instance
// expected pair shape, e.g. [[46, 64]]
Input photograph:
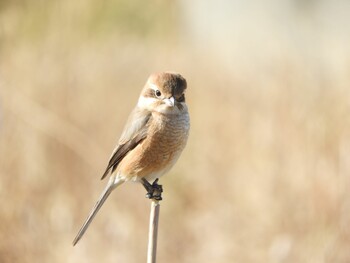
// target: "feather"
[[134, 133], [109, 188]]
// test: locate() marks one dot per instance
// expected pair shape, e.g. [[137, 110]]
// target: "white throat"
[[145, 102], [151, 105]]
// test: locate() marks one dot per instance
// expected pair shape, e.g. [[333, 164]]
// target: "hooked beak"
[[170, 102]]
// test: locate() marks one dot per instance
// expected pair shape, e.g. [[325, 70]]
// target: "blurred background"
[[265, 175]]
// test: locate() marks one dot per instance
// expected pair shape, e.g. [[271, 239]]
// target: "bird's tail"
[[112, 184]]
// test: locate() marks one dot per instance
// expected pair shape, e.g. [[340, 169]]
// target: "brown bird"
[[152, 140]]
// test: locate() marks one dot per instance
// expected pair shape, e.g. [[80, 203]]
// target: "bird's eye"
[[158, 93]]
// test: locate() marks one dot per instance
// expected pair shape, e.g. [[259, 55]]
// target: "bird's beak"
[[170, 102]]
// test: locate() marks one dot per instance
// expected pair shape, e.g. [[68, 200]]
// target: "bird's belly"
[[159, 151]]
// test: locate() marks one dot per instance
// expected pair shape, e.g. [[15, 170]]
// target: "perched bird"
[[152, 140]]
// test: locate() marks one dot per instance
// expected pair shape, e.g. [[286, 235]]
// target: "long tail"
[[112, 184]]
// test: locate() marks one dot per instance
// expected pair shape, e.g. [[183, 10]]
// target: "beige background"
[[265, 175]]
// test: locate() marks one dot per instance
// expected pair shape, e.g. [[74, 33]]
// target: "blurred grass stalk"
[[153, 232]]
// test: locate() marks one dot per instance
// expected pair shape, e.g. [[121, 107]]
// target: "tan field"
[[265, 176]]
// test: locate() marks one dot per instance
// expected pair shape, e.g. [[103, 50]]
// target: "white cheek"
[[145, 102]]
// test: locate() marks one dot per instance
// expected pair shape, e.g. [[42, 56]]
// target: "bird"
[[153, 139]]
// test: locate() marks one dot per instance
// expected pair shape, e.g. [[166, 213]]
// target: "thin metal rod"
[[153, 232]]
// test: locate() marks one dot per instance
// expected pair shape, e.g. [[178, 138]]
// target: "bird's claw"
[[154, 190]]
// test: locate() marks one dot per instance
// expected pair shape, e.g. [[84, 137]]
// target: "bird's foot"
[[154, 190]]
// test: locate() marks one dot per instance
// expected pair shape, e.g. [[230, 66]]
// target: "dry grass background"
[[265, 176]]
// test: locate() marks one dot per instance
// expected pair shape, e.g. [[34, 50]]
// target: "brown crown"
[[169, 83]]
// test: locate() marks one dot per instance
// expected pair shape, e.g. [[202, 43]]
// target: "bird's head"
[[164, 92]]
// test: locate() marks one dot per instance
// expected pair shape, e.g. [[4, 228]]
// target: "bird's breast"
[[166, 138], [167, 135]]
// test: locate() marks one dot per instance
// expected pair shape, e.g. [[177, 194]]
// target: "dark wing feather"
[[134, 133]]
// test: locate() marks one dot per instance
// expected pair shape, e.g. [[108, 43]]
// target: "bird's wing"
[[134, 133]]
